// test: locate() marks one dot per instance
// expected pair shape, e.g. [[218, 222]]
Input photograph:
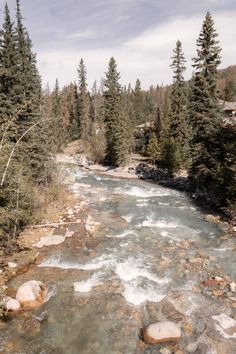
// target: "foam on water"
[[145, 192], [86, 286], [137, 295], [56, 262], [161, 223], [123, 234], [131, 269], [128, 217]]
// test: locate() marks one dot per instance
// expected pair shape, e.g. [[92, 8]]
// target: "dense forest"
[[183, 125]]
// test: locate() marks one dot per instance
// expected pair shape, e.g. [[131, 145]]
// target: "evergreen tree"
[[153, 149], [138, 103], [57, 130], [74, 112], [8, 81], [117, 134], [205, 112], [170, 156], [178, 99], [84, 103]]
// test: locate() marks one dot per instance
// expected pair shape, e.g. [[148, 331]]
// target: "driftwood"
[[54, 224]]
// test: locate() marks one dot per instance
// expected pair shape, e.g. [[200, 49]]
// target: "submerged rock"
[[225, 325], [50, 240], [31, 294], [160, 332]]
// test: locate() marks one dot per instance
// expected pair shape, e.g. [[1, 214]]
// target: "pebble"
[[12, 265], [233, 287]]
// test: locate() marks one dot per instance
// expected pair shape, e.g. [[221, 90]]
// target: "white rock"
[[69, 233], [90, 224], [219, 278], [50, 240], [233, 287], [11, 304], [225, 325], [159, 332], [31, 294], [12, 265]]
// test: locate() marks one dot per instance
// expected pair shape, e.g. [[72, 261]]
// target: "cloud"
[[147, 56]]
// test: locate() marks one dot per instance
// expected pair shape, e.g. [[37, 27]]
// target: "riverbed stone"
[[31, 294], [11, 304], [50, 240], [160, 332], [232, 287], [90, 225], [225, 325]]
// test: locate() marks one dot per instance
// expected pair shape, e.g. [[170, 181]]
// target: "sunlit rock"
[[50, 240], [11, 304], [225, 325], [12, 264], [160, 332], [31, 294], [90, 224], [233, 287], [69, 234]]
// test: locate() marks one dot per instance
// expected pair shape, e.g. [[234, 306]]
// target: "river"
[[151, 251]]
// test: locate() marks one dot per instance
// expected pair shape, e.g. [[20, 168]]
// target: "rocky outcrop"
[[161, 332], [145, 171], [31, 294]]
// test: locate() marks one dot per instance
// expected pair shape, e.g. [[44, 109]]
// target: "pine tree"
[[138, 103], [84, 103], [178, 99], [116, 119], [57, 131], [153, 149], [8, 81], [170, 156], [205, 112]]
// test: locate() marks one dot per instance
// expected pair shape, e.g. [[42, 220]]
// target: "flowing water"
[[138, 268]]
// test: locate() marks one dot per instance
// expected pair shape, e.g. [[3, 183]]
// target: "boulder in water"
[[160, 332], [31, 294]]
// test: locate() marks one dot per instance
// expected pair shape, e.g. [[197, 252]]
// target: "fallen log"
[[54, 224]]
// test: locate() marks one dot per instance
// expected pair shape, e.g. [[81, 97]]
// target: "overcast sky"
[[140, 34]]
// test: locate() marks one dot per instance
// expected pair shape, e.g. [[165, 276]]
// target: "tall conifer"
[[178, 99], [116, 119], [205, 112], [84, 103]]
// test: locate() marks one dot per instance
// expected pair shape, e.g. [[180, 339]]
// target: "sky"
[[140, 34]]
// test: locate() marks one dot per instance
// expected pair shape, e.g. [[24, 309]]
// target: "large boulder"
[[160, 332], [31, 294]]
